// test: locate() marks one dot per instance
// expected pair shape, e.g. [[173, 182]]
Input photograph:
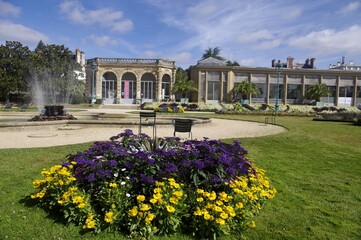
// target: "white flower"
[[122, 183], [116, 174], [127, 194], [123, 169]]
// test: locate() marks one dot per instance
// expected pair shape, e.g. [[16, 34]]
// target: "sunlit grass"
[[315, 166]]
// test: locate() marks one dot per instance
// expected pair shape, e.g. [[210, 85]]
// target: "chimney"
[[313, 63], [290, 62], [273, 62]]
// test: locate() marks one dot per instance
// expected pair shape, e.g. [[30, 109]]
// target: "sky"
[[251, 32]]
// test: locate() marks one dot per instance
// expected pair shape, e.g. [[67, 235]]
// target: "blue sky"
[[249, 32]]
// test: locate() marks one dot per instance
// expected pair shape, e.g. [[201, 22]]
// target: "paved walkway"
[[46, 136]]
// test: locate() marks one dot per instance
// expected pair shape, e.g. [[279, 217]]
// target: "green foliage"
[[14, 59], [183, 84], [212, 52], [52, 68], [245, 88], [317, 91]]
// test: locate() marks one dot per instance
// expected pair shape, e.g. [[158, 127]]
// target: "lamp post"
[[278, 70], [94, 66]]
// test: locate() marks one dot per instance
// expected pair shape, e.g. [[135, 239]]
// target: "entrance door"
[[108, 91], [128, 91]]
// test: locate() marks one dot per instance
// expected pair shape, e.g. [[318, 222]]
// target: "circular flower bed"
[[141, 187]]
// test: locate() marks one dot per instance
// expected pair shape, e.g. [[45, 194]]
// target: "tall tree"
[[212, 52], [53, 72], [13, 67], [183, 84]]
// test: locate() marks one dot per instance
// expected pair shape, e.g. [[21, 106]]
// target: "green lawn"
[[315, 166]]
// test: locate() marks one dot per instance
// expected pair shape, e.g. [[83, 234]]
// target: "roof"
[[211, 61]]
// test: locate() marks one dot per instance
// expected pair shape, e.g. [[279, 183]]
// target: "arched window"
[[129, 87], [148, 87], [109, 86], [165, 87]]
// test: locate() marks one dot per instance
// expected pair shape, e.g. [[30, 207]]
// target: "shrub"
[[206, 188]]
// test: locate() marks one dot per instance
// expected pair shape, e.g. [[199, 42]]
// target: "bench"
[[270, 120]]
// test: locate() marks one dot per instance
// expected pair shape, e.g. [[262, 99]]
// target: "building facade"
[[129, 80], [215, 81]]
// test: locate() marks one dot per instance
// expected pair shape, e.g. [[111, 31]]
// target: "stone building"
[[129, 80], [215, 80]]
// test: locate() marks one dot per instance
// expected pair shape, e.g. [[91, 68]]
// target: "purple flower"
[[198, 164], [113, 163], [170, 167]]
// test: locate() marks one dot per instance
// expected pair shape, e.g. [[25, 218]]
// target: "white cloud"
[[122, 26], [106, 17], [330, 41], [351, 7], [10, 31], [7, 9], [255, 36], [103, 40], [265, 45], [293, 12], [150, 54]]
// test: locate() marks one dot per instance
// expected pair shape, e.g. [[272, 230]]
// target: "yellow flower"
[[153, 201], [198, 212], [239, 205], [133, 212], [217, 209], [81, 205], [145, 207], [78, 199], [170, 209], [149, 218], [173, 200], [213, 196], [200, 191], [252, 224], [207, 216], [200, 199], [159, 184], [140, 198], [157, 190], [224, 215], [178, 194], [113, 185], [157, 196], [220, 221], [109, 217]]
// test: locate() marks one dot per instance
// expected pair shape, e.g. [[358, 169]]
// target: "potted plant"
[[317, 91]]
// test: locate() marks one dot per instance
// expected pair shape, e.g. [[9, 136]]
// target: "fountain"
[[50, 95], [53, 113]]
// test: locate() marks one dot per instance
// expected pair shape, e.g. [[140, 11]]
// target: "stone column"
[[285, 88], [354, 95], [337, 90], [268, 86]]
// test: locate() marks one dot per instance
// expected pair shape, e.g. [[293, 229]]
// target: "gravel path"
[[46, 136]]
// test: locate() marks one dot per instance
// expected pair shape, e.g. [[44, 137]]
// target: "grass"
[[315, 166]]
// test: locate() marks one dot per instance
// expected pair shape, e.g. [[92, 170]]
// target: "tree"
[[14, 59], [212, 52], [317, 91], [245, 88], [235, 63], [53, 72], [183, 84]]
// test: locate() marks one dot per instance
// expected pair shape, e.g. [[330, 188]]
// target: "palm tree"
[[245, 88], [317, 91], [212, 52], [183, 84]]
